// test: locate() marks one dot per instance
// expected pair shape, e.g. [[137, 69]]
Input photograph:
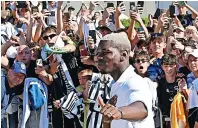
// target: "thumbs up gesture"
[[109, 111]]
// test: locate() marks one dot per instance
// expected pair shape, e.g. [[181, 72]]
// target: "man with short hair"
[[169, 85], [141, 63], [133, 102], [192, 104], [157, 45], [15, 76], [185, 18]]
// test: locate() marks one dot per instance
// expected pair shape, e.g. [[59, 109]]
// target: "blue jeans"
[[4, 122], [13, 120]]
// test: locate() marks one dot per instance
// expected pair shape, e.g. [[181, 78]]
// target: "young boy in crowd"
[[169, 84], [157, 46], [192, 104]]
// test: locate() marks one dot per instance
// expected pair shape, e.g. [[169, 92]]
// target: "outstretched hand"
[[109, 111]]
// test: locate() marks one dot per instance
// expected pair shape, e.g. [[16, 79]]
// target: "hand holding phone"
[[140, 6], [132, 7], [34, 9], [172, 11]]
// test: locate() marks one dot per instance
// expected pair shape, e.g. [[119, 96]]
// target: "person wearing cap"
[[192, 78], [178, 32], [104, 28], [130, 105], [185, 18], [15, 76]]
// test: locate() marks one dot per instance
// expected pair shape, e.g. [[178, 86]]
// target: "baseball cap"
[[71, 8], [193, 53], [19, 67], [179, 28], [109, 26], [83, 71]]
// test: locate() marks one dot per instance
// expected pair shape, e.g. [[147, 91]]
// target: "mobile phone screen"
[[140, 3], [132, 5], [34, 10], [172, 11], [157, 13], [118, 2], [110, 5]]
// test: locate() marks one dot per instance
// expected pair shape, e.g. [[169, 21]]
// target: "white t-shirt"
[[52, 19], [130, 88], [193, 95]]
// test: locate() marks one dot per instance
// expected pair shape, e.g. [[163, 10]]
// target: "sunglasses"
[[51, 36], [156, 34], [71, 20], [141, 60]]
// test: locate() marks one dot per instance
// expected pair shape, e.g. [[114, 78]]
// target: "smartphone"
[[172, 11], [157, 13], [83, 52], [34, 9], [67, 16], [110, 5], [132, 6], [140, 30], [39, 62], [92, 33], [112, 18], [21, 4], [118, 3], [140, 3]]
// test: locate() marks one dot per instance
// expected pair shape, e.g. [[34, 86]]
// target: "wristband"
[[106, 121], [120, 113]]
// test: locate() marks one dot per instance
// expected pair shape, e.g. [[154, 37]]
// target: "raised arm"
[[59, 17], [118, 12], [132, 32], [193, 11]]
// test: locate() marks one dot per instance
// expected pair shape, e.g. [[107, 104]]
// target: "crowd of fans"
[[50, 57]]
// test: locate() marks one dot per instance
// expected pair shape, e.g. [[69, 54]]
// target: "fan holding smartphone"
[[140, 6], [132, 7]]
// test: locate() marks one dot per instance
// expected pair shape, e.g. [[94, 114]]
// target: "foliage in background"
[[126, 22]]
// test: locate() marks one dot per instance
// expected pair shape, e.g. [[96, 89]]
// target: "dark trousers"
[[13, 120], [4, 122], [61, 121], [192, 117]]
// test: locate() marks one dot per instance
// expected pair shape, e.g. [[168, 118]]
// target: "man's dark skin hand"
[[133, 112]]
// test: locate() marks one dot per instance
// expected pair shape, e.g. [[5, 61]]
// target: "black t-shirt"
[[166, 92], [185, 19]]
